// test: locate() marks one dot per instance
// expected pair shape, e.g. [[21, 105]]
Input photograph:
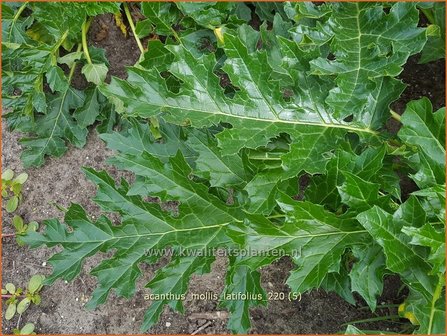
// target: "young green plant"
[[12, 189]]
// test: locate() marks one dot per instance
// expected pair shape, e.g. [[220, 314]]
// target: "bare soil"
[[61, 181]]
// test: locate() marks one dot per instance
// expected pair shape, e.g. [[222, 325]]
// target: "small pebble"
[[44, 264], [168, 324]]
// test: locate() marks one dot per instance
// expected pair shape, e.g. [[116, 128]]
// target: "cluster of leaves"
[[22, 228], [12, 189], [242, 112], [18, 302], [37, 92]]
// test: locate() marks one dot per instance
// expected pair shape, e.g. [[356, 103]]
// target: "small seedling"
[[22, 228], [18, 302], [28, 329], [12, 189]]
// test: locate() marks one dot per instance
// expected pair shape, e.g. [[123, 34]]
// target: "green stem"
[[20, 11], [174, 33], [85, 28], [276, 216], [73, 67], [265, 158], [132, 26], [429, 15], [395, 115], [436, 296], [16, 17], [59, 43]]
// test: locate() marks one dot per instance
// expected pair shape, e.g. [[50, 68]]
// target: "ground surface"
[[61, 181]]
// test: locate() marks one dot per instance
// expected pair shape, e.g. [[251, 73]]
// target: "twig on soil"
[[218, 315], [7, 235], [207, 324]]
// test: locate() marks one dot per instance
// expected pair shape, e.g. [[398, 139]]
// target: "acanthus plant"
[[241, 115]]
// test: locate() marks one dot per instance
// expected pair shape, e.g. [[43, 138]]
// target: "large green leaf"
[[241, 280], [258, 110], [220, 170], [55, 18], [426, 131], [14, 24], [162, 16], [370, 48], [144, 227], [347, 177], [173, 279], [304, 236], [428, 314], [429, 236], [207, 14], [400, 256], [367, 273]]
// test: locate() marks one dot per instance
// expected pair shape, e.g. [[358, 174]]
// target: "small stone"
[[270, 284], [44, 264], [77, 299], [168, 324]]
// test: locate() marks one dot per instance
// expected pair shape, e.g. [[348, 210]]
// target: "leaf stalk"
[[59, 43], [436, 295], [16, 17], [85, 28], [132, 27], [395, 116]]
